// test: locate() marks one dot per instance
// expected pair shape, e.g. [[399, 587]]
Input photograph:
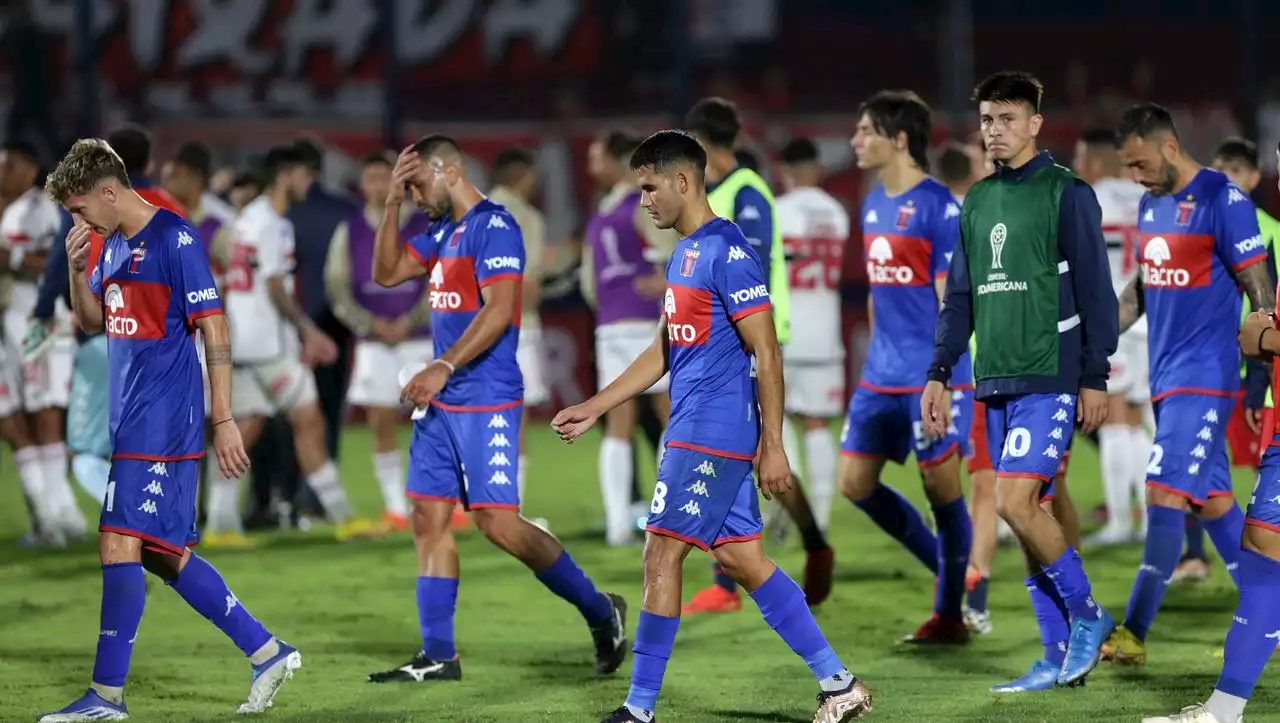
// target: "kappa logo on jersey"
[[497, 222], [1176, 261], [498, 421], [499, 440], [742, 296], [1234, 195], [897, 261], [154, 488], [499, 459], [499, 478], [699, 488], [952, 211], [706, 469], [158, 469], [749, 213], [1149, 216], [736, 254], [184, 239], [195, 297], [871, 217], [502, 262]]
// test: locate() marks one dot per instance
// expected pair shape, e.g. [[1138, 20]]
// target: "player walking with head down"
[[150, 292], [464, 447], [1030, 276], [716, 334]]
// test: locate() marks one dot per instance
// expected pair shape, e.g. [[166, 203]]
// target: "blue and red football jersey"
[[153, 288], [483, 247], [714, 278], [1190, 243], [907, 243]]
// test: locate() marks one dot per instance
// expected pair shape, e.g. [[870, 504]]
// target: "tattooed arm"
[[217, 357], [1257, 285], [1132, 304]]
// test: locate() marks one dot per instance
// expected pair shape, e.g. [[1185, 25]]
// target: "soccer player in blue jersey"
[[716, 337], [1198, 239], [910, 223], [464, 447], [150, 292]]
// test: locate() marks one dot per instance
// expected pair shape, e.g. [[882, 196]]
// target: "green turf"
[[350, 609]]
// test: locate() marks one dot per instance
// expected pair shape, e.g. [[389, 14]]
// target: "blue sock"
[[1067, 574], [955, 536], [1251, 640], [655, 634], [437, 602], [205, 591], [1051, 616], [722, 580], [1159, 559], [570, 583], [898, 517], [782, 604], [978, 595], [1226, 532], [124, 594], [1195, 537]]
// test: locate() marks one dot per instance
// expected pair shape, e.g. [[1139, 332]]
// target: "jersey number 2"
[[240, 270]]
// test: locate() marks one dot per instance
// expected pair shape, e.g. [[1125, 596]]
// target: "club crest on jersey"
[[138, 254], [689, 261], [457, 234], [1185, 209], [904, 215]]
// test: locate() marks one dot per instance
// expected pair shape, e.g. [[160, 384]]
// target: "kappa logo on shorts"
[[1056, 433], [149, 507], [1205, 434], [498, 422], [706, 469], [1198, 452], [232, 602], [1052, 451], [1060, 415], [499, 459], [499, 478], [691, 508], [1210, 416], [159, 469], [499, 440], [154, 488], [1064, 399], [698, 488], [1193, 468]]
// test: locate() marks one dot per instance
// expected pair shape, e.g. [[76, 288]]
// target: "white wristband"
[[15, 258], [451, 367]]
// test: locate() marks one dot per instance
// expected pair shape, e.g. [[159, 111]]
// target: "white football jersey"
[[815, 229], [1119, 200], [262, 248], [31, 223]]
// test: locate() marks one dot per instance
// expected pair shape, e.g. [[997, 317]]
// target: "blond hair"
[[89, 162]]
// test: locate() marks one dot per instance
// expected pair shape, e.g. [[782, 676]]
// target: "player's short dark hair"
[[1099, 138], [435, 144], [195, 156], [1240, 150], [746, 159], [800, 150], [247, 178], [619, 144], [89, 162], [1146, 120], [1011, 86], [19, 147], [902, 111], [310, 153], [278, 159], [132, 143], [954, 164], [666, 150], [377, 159], [716, 120]]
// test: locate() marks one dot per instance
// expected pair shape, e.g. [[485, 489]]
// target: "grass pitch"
[[527, 656]]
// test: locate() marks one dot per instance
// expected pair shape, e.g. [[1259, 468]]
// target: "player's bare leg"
[[223, 525], [123, 559], [41, 510], [322, 474], [982, 553], [1018, 503], [1064, 510], [48, 426], [954, 540], [541, 552], [1166, 513], [388, 464], [616, 468]]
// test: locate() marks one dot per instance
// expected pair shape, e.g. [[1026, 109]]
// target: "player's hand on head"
[[233, 460], [573, 422], [407, 165], [1091, 409], [1251, 332], [935, 409], [78, 246], [774, 472]]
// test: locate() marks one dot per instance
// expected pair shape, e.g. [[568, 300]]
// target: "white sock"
[[645, 716], [1140, 447], [820, 458], [1116, 456], [269, 650], [31, 472], [57, 485], [522, 473], [224, 498], [92, 473], [836, 682], [328, 488], [1226, 707], [388, 467], [616, 467]]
